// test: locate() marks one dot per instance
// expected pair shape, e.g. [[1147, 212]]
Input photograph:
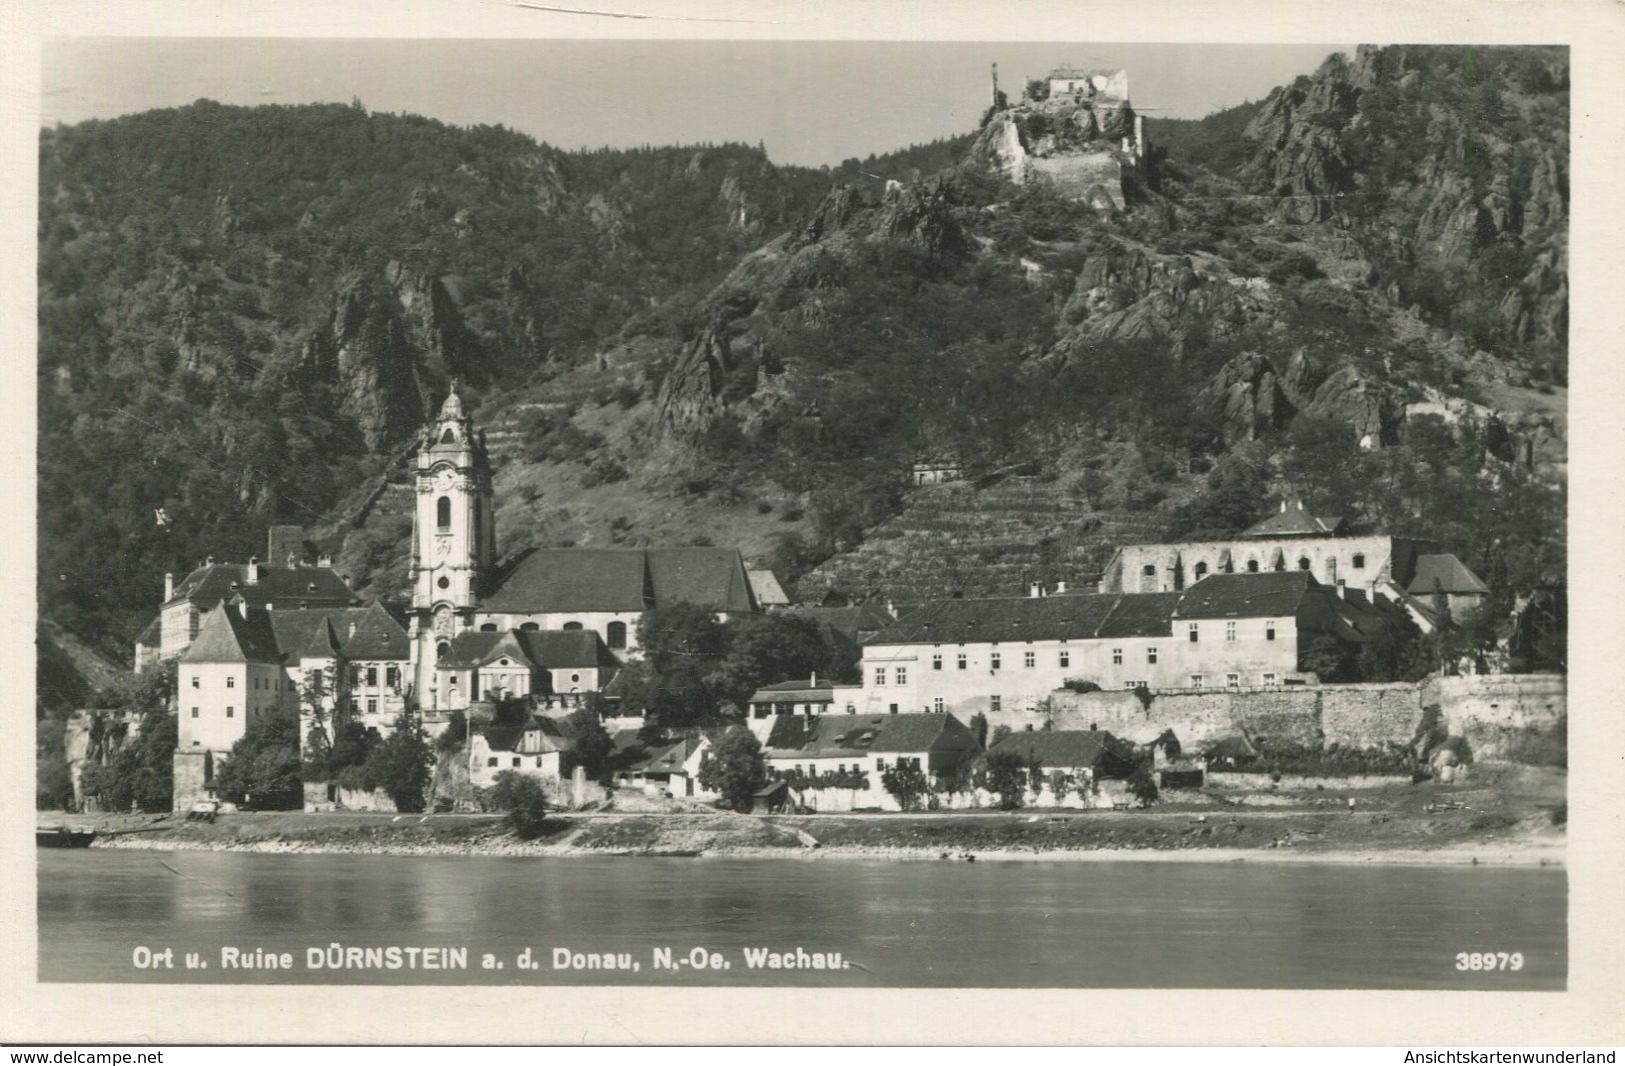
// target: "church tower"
[[453, 538]]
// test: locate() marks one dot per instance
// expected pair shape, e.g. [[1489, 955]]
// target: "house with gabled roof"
[[538, 746], [552, 668], [937, 744], [290, 582]]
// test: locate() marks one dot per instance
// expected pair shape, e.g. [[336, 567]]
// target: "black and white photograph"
[[667, 513]]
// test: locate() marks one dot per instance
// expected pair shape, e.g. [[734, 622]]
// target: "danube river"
[[126, 915]]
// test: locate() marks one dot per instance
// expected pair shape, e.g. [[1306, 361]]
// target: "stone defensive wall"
[[1486, 709]]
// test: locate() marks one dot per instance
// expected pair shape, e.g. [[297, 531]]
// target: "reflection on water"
[[1118, 924]]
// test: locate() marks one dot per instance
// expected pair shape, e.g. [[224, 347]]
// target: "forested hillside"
[[1355, 289]]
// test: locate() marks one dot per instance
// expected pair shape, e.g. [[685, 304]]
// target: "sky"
[[809, 102]]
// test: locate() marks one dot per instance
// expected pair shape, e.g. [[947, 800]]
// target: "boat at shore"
[[61, 836]]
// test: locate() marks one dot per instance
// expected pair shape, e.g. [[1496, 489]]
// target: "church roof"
[[310, 586], [556, 580]]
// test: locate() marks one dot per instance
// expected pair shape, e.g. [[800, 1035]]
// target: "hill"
[[1354, 289]]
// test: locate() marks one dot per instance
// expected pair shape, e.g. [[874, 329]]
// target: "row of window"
[[492, 761], [1201, 569], [614, 633]]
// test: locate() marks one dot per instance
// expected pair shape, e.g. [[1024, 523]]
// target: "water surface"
[[1006, 924]]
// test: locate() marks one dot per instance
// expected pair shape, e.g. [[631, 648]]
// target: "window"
[[1331, 570], [372, 677], [880, 675], [571, 627], [1232, 680], [995, 703], [936, 705], [1269, 629], [194, 681], [617, 634], [1252, 566], [1269, 679], [231, 682], [1148, 570], [448, 437], [995, 660], [488, 627], [1358, 561], [392, 676], [902, 675], [1117, 656], [1066, 658], [936, 661], [492, 761], [194, 712], [1196, 681], [442, 512], [1151, 655], [529, 627], [1303, 562], [372, 706], [575, 679], [1029, 659], [1230, 631], [516, 760], [1201, 571], [231, 712], [1195, 632], [962, 660]]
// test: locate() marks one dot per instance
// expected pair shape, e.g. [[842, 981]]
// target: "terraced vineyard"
[[992, 540]]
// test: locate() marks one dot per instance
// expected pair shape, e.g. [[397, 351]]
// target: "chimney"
[[814, 682], [891, 609], [293, 561], [1283, 505], [253, 570], [1035, 591], [324, 560], [352, 632], [169, 587], [208, 561], [1060, 587], [242, 607]]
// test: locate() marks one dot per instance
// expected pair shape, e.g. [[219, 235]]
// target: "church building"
[[601, 593]]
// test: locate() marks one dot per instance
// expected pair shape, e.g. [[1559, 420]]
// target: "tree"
[[521, 797], [592, 746], [455, 735], [1007, 777], [53, 784], [907, 784], [262, 771], [683, 646], [733, 769], [401, 765], [978, 728], [776, 647], [1142, 786]]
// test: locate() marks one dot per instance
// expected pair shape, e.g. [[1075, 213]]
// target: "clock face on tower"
[[442, 548], [445, 479]]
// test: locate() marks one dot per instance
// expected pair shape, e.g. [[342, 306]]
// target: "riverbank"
[[1509, 819]]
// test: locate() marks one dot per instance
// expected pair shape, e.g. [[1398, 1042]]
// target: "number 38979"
[[1489, 960]]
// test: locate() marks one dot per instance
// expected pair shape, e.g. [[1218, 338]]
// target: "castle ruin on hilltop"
[[1074, 130]]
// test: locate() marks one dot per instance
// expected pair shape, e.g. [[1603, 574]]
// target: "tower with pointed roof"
[[453, 536]]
